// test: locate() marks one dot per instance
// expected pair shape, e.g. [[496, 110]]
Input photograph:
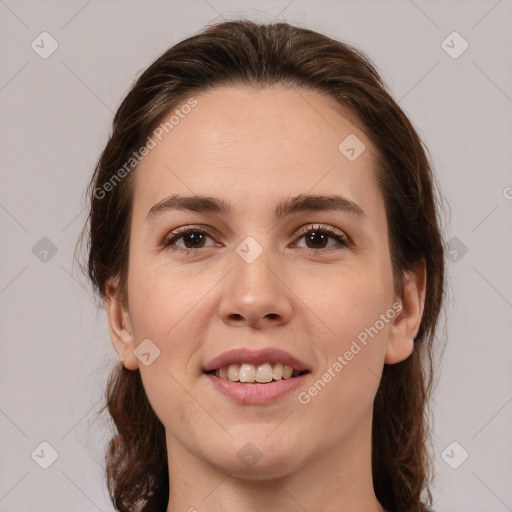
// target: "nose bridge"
[[254, 293]]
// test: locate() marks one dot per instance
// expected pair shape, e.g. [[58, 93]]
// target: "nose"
[[256, 294]]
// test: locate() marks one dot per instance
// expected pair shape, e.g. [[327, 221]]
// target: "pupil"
[[317, 238], [194, 238]]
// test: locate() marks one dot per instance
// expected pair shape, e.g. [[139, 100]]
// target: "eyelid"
[[321, 227]]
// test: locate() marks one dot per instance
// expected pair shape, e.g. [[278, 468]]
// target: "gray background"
[[56, 114]]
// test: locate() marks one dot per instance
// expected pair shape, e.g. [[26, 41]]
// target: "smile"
[[262, 373]]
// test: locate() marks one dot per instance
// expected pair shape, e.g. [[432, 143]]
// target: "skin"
[[252, 148]]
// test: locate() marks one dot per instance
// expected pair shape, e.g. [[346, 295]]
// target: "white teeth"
[[262, 373], [247, 373], [233, 372], [287, 372], [278, 371]]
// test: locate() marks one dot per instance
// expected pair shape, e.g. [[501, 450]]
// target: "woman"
[[264, 232]]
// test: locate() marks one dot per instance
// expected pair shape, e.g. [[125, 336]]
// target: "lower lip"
[[255, 393]]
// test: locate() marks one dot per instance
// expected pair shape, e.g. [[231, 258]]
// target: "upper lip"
[[245, 355]]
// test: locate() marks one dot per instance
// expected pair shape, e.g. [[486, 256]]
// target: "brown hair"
[[243, 53]]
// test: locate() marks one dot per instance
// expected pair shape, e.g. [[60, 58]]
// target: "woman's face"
[[310, 278]]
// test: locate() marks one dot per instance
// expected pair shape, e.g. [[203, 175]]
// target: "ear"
[[120, 326], [406, 324]]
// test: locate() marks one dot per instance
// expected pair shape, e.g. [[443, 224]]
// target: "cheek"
[[167, 309], [344, 388], [358, 313], [352, 299], [163, 299]]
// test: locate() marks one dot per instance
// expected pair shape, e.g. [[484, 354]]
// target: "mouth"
[[263, 373]]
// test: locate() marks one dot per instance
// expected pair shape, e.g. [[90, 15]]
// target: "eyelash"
[[168, 242]]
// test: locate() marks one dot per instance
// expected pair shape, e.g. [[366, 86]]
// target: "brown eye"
[[192, 239], [317, 237]]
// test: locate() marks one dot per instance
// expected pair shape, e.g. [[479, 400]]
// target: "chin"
[[255, 458]]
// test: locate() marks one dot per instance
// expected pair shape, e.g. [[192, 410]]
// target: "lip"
[[255, 393], [245, 355]]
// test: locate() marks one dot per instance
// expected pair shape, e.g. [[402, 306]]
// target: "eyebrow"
[[288, 206]]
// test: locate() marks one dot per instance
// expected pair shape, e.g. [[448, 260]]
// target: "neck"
[[334, 481]]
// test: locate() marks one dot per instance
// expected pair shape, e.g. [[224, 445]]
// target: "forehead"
[[248, 144], [227, 120]]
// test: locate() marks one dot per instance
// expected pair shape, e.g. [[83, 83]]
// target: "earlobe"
[[406, 324], [397, 352], [120, 326]]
